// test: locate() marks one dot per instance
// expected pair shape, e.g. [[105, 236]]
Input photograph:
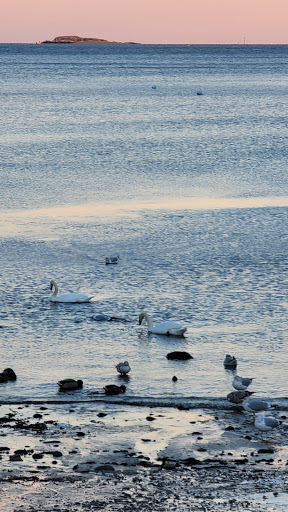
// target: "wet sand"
[[109, 456]]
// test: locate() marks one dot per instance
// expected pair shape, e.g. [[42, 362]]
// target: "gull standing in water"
[[230, 361], [241, 383], [123, 368]]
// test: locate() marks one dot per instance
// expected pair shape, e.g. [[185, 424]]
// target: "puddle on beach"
[[142, 430]]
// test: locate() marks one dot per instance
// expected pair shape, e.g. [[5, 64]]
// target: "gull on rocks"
[[123, 368], [237, 397], [241, 383], [230, 361], [255, 405], [264, 423]]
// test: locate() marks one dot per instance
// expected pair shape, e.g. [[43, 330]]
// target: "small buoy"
[[199, 93], [154, 87]]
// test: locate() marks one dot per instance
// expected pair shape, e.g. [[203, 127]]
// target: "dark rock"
[[57, 453], [230, 428], [37, 456], [182, 408], [191, 461], [107, 468], [150, 418], [181, 356], [15, 458], [23, 452], [266, 450], [174, 378], [102, 414], [4, 449], [80, 434]]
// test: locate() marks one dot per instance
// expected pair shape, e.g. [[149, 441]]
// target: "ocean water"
[[190, 190]]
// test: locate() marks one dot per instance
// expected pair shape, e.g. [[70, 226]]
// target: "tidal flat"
[[109, 456]]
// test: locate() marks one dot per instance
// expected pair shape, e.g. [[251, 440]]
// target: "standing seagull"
[[265, 424], [123, 368], [255, 405], [241, 383]]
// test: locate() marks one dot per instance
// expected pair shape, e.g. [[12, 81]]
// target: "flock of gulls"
[[243, 397]]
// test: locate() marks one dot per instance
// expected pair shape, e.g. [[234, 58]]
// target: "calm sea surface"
[[190, 190]]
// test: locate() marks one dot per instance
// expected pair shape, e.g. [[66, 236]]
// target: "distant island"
[[81, 40]]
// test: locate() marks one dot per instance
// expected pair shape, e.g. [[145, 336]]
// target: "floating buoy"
[[154, 87]]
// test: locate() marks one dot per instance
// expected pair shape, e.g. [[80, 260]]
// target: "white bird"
[[123, 368], [265, 424], [167, 327], [230, 361], [112, 260], [255, 405], [241, 383], [67, 297]]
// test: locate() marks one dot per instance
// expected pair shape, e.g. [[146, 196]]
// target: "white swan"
[[71, 298], [167, 327]]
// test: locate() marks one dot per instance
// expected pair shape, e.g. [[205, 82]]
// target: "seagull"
[[230, 361], [241, 383], [255, 405], [237, 397], [112, 260], [112, 389], [265, 424], [123, 368], [70, 384]]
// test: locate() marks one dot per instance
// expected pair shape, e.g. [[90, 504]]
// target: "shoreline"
[[114, 456]]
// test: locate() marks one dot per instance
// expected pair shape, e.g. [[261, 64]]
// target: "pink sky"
[[147, 21]]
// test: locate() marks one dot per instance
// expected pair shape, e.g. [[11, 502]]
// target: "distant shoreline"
[[81, 40]]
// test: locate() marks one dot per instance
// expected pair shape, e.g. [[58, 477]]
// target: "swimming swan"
[[166, 327], [71, 298]]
